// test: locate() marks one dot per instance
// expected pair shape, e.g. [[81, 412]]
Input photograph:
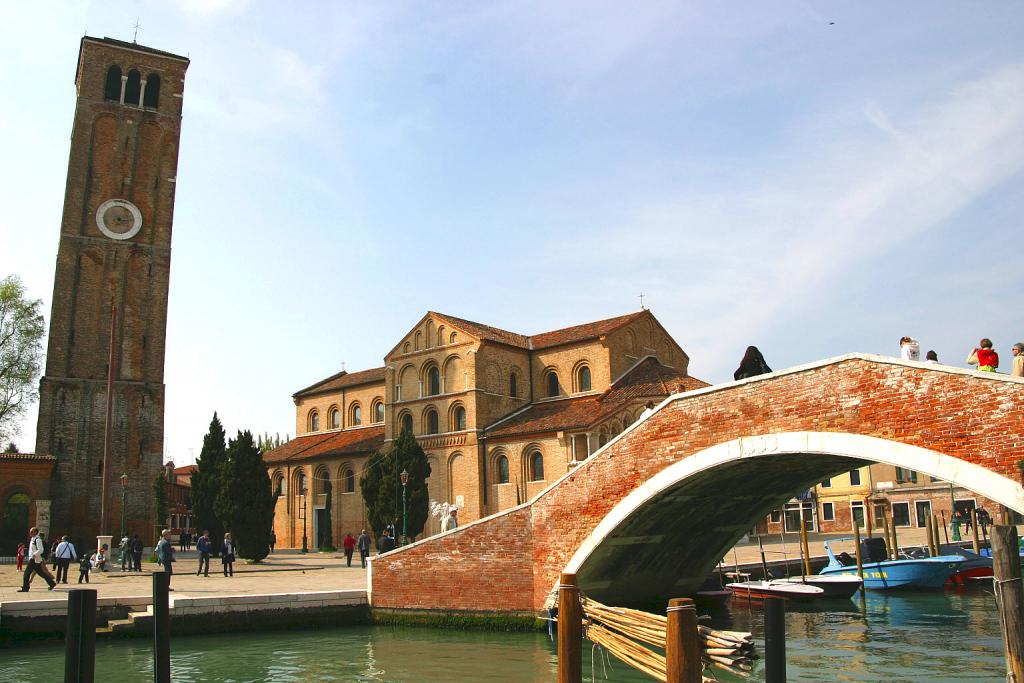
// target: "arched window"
[[502, 464], [583, 378], [433, 381], [441, 334], [278, 486], [348, 481], [314, 421], [406, 349], [378, 411], [300, 483], [407, 423], [451, 339], [335, 418], [418, 341], [357, 415], [602, 440], [459, 421], [151, 98], [513, 385], [133, 88], [552, 380], [536, 466], [433, 424], [112, 87]]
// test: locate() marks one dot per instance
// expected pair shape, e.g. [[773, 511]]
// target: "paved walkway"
[[282, 572]]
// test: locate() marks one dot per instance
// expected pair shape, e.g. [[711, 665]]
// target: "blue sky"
[[812, 178]]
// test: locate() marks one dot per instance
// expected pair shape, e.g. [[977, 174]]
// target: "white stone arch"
[[857, 446]]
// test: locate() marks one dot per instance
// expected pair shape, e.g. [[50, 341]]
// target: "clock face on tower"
[[119, 219]]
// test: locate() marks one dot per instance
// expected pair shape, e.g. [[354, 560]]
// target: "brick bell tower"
[[110, 289]]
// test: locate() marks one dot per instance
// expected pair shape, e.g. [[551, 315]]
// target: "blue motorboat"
[[884, 574]]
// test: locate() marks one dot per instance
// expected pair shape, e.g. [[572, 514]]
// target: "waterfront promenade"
[[289, 571]]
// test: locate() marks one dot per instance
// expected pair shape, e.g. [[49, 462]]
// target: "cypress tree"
[[382, 488], [245, 502], [207, 481]]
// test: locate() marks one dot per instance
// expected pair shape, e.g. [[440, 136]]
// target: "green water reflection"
[[910, 637]]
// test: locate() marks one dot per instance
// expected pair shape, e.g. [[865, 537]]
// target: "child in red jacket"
[[984, 356]]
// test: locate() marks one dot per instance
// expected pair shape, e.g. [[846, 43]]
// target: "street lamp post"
[[405, 480], [953, 522], [302, 513], [124, 497]]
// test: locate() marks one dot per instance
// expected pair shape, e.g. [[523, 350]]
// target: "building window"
[[357, 415], [828, 512], [300, 482], [348, 480], [901, 514], [434, 381], [583, 378], [904, 476], [151, 97], [826, 483], [433, 426], [552, 380], [314, 421], [407, 423], [335, 418], [451, 339], [513, 385], [112, 88], [857, 512], [460, 418], [278, 484], [378, 411], [133, 88], [536, 467], [854, 477], [775, 517], [502, 464]]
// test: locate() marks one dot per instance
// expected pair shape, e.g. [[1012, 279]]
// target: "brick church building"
[[500, 415]]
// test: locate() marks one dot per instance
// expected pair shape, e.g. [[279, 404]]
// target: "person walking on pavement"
[[165, 555], [203, 546], [135, 546], [124, 553], [363, 543], [20, 559], [350, 546], [84, 567], [228, 556], [273, 540], [65, 554], [36, 548]]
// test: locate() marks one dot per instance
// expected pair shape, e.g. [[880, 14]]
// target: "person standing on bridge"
[[984, 356], [932, 358], [752, 365], [1018, 360], [910, 349]]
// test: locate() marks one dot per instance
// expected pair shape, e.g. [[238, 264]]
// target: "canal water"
[[934, 637]]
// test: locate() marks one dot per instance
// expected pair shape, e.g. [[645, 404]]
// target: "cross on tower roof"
[[135, 36]]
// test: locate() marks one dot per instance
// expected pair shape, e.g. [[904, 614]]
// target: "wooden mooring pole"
[[930, 530], [856, 542], [803, 542], [974, 531], [774, 640], [80, 637], [1009, 598], [570, 631], [682, 642], [161, 628], [895, 541]]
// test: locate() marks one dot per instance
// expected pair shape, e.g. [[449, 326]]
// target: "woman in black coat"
[[752, 365]]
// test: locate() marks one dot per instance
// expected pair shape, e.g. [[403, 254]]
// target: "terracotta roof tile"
[[648, 379], [487, 332], [342, 380], [582, 332], [347, 442]]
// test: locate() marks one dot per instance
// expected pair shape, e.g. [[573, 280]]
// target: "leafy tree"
[[245, 502], [21, 352], [382, 488], [160, 499], [207, 481], [268, 443], [12, 448]]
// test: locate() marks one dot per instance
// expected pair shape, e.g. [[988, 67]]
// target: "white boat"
[[834, 586], [759, 590]]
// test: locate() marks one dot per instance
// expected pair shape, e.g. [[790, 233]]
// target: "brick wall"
[[931, 409]]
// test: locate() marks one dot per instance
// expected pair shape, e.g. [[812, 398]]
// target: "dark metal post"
[[80, 637], [774, 640], [161, 628]]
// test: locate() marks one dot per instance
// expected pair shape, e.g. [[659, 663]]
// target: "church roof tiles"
[[343, 380], [347, 442]]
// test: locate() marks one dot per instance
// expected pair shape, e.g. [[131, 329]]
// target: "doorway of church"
[[14, 523], [321, 523]]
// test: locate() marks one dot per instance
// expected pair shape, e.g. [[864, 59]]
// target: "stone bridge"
[[652, 512]]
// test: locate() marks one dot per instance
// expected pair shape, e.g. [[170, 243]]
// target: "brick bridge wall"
[[510, 561]]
